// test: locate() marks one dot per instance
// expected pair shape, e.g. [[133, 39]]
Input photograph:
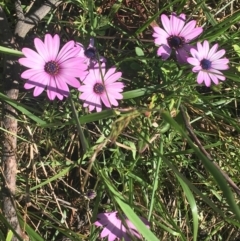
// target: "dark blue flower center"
[[98, 88], [90, 53], [206, 64], [175, 42], [51, 68]]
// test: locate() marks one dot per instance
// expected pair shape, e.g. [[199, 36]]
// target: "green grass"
[[141, 160]]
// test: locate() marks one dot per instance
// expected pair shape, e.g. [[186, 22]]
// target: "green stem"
[[80, 131], [155, 183]]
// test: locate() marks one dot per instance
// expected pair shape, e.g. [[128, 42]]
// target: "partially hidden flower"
[[52, 67], [176, 35], [115, 229], [207, 63], [101, 86], [90, 54]]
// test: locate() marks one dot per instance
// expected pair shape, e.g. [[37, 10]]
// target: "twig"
[[25, 25], [198, 143], [19, 11], [9, 160], [10, 80]]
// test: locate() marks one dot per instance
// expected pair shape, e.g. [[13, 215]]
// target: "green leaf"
[[22, 108], [227, 192], [33, 235], [139, 92], [137, 222], [11, 51], [85, 119], [9, 235], [237, 49], [193, 206], [139, 51], [114, 9], [60, 174]]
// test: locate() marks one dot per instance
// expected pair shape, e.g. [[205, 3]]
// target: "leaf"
[[192, 204], [120, 124], [237, 49], [11, 51], [9, 235], [217, 175], [60, 174], [137, 222], [139, 51]]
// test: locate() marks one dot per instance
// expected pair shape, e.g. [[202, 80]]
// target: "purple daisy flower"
[[175, 35], [207, 63], [114, 229], [90, 54], [101, 86], [52, 68]]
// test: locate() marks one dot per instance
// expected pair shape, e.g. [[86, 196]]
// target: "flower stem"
[[79, 128]]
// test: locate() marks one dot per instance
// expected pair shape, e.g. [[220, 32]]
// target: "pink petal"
[[61, 85], [217, 55], [200, 77], [159, 32], [29, 85], [205, 49], [214, 78], [90, 78], [160, 41], [194, 34], [112, 78], [98, 108], [96, 103], [115, 95], [52, 89], [39, 79], [189, 32], [220, 66], [105, 100], [52, 45], [193, 61], [112, 237], [74, 62], [207, 79], [164, 51], [188, 28], [196, 54], [115, 87], [105, 232], [71, 80], [223, 61], [166, 24], [38, 90], [40, 47], [59, 96], [176, 23], [31, 72], [86, 88], [200, 51], [67, 51], [212, 51], [33, 56], [86, 95], [182, 55], [218, 74], [99, 71], [110, 72], [33, 64], [196, 69]]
